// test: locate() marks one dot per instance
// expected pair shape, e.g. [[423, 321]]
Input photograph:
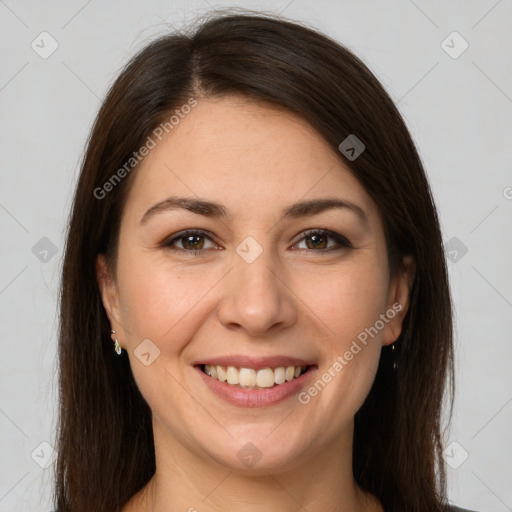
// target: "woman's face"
[[252, 285]]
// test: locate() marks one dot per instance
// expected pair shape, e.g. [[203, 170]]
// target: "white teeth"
[[280, 375], [221, 373], [232, 375], [250, 378], [247, 377], [265, 378]]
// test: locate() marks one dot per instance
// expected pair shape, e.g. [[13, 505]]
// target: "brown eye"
[[318, 240], [190, 241]]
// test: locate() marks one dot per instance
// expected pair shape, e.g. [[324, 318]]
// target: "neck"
[[189, 480]]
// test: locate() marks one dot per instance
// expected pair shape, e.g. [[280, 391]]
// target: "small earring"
[[393, 352], [117, 347]]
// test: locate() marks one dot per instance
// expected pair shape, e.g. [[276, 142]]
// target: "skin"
[[296, 299]]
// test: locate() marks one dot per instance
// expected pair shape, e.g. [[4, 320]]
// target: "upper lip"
[[241, 361]]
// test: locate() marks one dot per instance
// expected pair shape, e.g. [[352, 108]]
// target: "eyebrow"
[[217, 210]]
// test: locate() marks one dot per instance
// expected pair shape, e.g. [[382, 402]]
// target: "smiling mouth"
[[249, 378]]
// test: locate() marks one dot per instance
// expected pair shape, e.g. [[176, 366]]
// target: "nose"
[[256, 297]]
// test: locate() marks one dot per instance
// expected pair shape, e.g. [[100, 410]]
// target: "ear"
[[109, 294], [398, 300]]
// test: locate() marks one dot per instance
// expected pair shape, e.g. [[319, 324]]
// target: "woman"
[[255, 311]]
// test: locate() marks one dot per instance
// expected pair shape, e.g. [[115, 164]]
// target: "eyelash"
[[343, 242]]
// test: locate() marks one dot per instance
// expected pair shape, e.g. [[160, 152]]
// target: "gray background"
[[458, 110]]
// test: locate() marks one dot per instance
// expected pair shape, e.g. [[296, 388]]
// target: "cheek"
[[348, 299], [156, 298], [348, 304]]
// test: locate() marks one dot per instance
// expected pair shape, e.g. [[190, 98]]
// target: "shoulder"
[[453, 508]]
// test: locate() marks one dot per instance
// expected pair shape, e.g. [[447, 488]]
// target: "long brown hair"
[[104, 439]]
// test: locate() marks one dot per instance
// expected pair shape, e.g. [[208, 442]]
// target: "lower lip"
[[256, 397]]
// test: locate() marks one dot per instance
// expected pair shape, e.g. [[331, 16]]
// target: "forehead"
[[249, 155]]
